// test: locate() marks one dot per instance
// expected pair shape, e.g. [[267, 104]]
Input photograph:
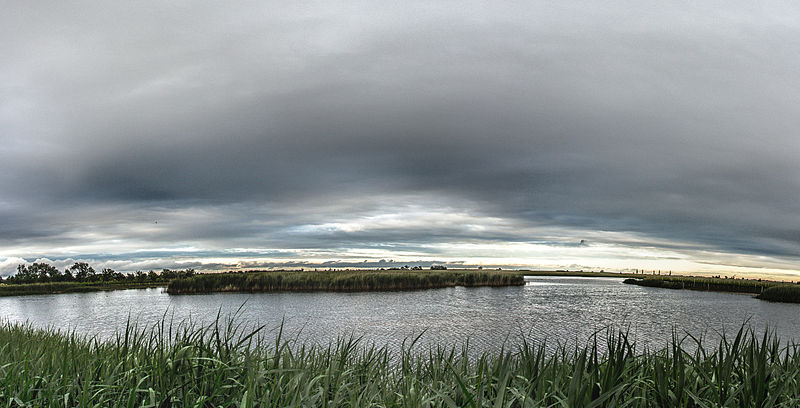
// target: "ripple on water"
[[555, 309]]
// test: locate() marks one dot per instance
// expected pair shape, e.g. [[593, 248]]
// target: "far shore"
[[45, 288], [773, 291], [341, 281], [40, 288], [404, 279]]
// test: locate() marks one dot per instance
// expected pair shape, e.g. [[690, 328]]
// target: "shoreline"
[[48, 288], [341, 281], [359, 281], [773, 291]]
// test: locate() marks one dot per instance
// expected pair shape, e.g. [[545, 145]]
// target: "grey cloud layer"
[[677, 122]]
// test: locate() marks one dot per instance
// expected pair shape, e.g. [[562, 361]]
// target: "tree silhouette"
[[82, 271]]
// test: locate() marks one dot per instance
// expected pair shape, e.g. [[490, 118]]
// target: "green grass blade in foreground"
[[223, 364]]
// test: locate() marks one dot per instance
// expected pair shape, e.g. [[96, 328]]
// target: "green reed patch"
[[704, 283], [223, 365], [71, 287], [340, 281], [781, 293]]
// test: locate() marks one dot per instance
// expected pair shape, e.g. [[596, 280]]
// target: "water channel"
[[555, 309]]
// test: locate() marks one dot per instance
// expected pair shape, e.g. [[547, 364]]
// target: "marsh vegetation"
[[224, 365], [341, 281], [43, 278], [773, 291], [704, 283], [781, 293]]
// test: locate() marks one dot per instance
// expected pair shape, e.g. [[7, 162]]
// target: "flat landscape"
[[422, 204], [185, 282], [223, 358]]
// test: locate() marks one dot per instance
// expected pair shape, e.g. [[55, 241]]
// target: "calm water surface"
[[557, 309]]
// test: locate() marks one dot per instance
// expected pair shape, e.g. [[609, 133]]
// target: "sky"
[[612, 135]]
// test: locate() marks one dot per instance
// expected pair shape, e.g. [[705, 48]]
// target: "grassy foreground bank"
[[221, 365], [342, 281]]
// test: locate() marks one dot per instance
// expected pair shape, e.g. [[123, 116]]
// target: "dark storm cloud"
[[676, 122]]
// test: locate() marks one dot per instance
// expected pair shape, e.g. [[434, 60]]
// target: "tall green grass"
[[223, 365], [340, 281], [704, 283], [781, 293], [766, 290], [583, 274], [71, 287]]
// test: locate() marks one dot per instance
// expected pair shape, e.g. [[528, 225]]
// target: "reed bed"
[[71, 287], [340, 281], [704, 283], [781, 293], [223, 365]]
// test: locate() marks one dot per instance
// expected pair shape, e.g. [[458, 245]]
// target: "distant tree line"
[[40, 272], [415, 268]]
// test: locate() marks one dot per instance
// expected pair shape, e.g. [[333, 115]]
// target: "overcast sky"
[[214, 135]]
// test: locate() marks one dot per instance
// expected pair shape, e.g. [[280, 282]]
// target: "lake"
[[558, 309]]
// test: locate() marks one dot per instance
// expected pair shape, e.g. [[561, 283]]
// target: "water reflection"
[[554, 308]]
